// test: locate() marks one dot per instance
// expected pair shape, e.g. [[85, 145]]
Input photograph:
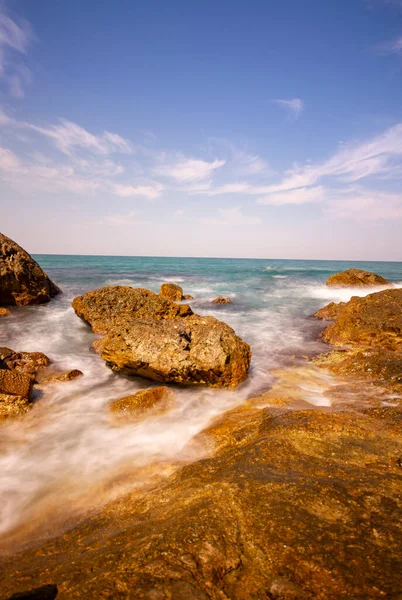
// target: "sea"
[[67, 456]]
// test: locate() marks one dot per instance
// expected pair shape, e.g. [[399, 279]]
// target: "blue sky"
[[214, 128]]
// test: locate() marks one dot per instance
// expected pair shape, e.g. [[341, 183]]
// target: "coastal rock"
[[356, 277], [110, 306], [195, 350], [374, 320], [16, 383], [188, 297], [13, 406], [331, 311], [171, 291], [26, 362], [22, 281], [221, 300], [4, 312], [145, 402], [60, 376], [5, 353], [45, 592]]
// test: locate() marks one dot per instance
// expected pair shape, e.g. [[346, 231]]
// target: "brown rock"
[[4, 312], [172, 291], [13, 406], [107, 307], [60, 376], [16, 383], [195, 350], [331, 311], [145, 402], [356, 277], [374, 320], [22, 281], [5, 353], [26, 362], [188, 297], [221, 300]]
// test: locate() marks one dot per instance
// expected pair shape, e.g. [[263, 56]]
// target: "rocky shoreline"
[[290, 501]]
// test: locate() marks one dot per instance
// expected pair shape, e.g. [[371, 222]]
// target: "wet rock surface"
[[12, 405], [16, 382], [171, 291], [110, 306], [60, 376], [144, 403], [4, 312], [26, 362], [195, 350], [22, 281], [221, 300], [356, 277], [331, 311]]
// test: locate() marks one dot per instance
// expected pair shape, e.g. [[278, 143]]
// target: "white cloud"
[[146, 191], [298, 196], [391, 47], [295, 105], [229, 188], [187, 170], [232, 216], [14, 42], [8, 161], [366, 204]]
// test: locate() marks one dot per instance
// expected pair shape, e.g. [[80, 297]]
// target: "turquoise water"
[[66, 456]]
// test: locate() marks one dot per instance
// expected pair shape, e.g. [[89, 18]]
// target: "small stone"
[[221, 300], [188, 297], [60, 376], [4, 311]]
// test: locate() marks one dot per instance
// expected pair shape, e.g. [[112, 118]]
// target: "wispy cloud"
[[295, 105], [391, 47], [146, 191], [15, 39], [231, 216], [130, 218], [187, 170], [298, 196]]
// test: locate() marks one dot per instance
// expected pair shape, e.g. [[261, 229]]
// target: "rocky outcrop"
[[356, 277], [144, 403], [373, 321], [221, 300], [22, 281], [195, 350], [110, 306], [331, 311], [171, 291]]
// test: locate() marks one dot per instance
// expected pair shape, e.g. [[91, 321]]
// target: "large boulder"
[[357, 278], [195, 350], [372, 321], [109, 306], [22, 281], [172, 291]]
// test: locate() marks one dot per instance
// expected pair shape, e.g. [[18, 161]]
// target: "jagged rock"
[[356, 277], [26, 362], [374, 320], [5, 353], [195, 350], [22, 281], [172, 291], [13, 406], [60, 376], [221, 300], [331, 311], [109, 306], [16, 383], [144, 403], [4, 311]]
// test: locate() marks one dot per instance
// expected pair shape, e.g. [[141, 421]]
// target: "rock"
[[374, 320], [109, 306], [331, 311], [45, 592], [26, 362], [13, 406], [5, 353], [16, 383], [172, 291], [221, 300], [195, 350], [188, 297], [356, 277], [60, 376], [4, 312], [145, 402], [22, 281]]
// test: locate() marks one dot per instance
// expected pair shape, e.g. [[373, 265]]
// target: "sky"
[[228, 128]]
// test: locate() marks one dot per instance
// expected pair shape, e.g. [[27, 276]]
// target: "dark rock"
[[46, 592], [356, 277], [22, 281]]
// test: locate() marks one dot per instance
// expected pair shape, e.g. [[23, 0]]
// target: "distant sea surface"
[[66, 453]]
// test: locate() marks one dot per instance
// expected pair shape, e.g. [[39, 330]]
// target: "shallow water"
[[66, 455]]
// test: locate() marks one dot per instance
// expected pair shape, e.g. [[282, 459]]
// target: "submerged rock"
[[356, 277], [4, 312], [22, 281], [188, 297], [331, 311], [16, 383], [60, 376], [195, 350], [12, 405], [144, 403], [26, 362], [374, 320], [172, 291], [110, 306], [221, 300]]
